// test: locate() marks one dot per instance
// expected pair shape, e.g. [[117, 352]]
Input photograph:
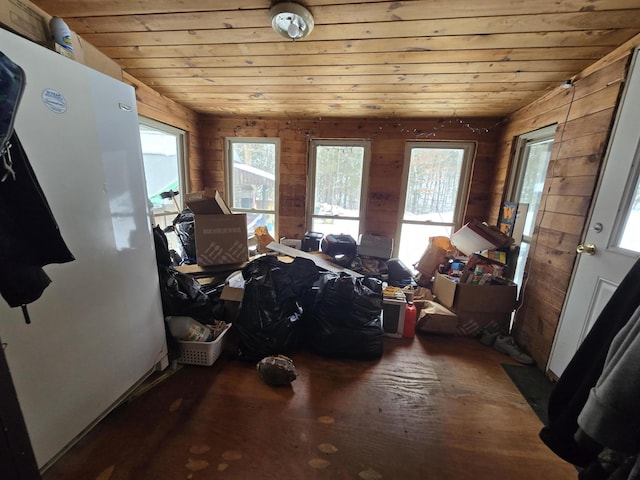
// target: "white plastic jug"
[[61, 33]]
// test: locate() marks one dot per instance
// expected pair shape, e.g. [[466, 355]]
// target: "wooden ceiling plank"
[[602, 38], [625, 19], [463, 97], [440, 89], [365, 79], [567, 67], [87, 8], [337, 14], [418, 112], [496, 55]]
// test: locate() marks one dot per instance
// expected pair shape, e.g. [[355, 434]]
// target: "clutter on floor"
[[333, 295]]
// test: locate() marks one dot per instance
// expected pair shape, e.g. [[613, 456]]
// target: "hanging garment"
[[29, 235], [571, 392], [12, 82], [611, 416]]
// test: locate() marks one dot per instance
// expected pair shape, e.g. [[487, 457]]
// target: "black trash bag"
[[181, 294], [163, 256], [184, 226], [346, 319], [268, 321]]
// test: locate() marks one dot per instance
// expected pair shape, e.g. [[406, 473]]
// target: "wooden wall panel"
[[152, 104], [584, 115], [388, 138]]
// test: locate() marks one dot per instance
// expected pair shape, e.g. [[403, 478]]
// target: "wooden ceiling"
[[419, 58]]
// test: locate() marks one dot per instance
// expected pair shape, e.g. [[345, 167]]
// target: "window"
[[164, 170], [435, 186], [252, 180], [630, 228], [338, 172], [533, 152]]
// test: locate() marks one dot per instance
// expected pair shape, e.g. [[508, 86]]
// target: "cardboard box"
[[207, 201], [435, 318], [221, 237], [462, 297], [87, 54], [26, 19], [231, 299], [475, 237]]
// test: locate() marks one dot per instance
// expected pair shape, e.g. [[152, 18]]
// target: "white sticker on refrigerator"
[[54, 100]]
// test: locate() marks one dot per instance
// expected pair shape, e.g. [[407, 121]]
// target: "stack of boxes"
[[471, 299]]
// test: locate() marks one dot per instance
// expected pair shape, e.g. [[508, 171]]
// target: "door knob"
[[589, 249]]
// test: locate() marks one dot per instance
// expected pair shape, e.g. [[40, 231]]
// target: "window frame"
[[365, 143], [516, 176], [523, 145], [229, 142], [469, 148], [182, 158]]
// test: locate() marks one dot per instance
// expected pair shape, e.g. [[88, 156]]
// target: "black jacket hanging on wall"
[[29, 235]]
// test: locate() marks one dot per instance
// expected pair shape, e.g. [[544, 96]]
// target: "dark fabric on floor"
[[534, 386]]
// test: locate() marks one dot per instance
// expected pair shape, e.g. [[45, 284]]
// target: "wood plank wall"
[[584, 115], [388, 142], [205, 137], [152, 104]]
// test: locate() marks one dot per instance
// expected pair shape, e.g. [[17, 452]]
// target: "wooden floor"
[[432, 408]]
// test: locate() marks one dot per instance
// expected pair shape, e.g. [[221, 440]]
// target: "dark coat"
[[570, 393], [29, 235]]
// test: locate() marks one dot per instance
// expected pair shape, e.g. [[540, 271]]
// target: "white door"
[[614, 231]]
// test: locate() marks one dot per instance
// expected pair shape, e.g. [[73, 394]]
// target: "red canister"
[[409, 321]]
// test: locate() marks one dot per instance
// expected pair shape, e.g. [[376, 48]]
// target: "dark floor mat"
[[534, 386]]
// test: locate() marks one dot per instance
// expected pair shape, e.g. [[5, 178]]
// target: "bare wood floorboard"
[[432, 408]]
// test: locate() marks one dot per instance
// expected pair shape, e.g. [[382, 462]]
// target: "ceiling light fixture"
[[291, 20]]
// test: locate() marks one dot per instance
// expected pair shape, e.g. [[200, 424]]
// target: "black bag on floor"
[[184, 227], [268, 322], [345, 320], [181, 294]]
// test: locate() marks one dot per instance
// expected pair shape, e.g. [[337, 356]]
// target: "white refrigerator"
[[97, 331]]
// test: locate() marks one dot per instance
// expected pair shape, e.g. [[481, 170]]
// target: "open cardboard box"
[[477, 298], [221, 236], [481, 304]]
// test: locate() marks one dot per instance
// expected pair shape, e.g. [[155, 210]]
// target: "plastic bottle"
[[61, 33], [189, 329], [409, 330]]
